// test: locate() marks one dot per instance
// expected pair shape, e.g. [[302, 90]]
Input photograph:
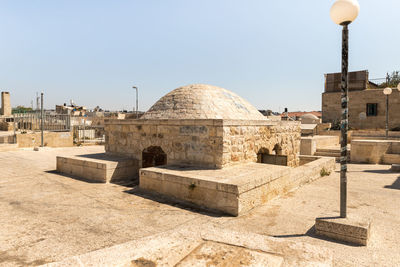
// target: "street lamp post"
[[137, 101], [344, 12], [387, 91]]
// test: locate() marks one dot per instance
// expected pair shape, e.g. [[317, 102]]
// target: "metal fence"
[[34, 122], [89, 134], [83, 131]]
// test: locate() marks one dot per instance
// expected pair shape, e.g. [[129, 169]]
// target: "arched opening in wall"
[[262, 155], [153, 156], [275, 157]]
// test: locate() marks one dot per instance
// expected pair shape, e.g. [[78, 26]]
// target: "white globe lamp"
[[344, 12]]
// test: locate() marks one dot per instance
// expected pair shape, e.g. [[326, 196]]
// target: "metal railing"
[[88, 134], [32, 122]]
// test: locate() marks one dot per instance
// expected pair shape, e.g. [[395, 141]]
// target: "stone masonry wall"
[[331, 109], [242, 143], [210, 143], [184, 141]]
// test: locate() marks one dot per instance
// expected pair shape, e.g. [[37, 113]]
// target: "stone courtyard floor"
[[47, 217]]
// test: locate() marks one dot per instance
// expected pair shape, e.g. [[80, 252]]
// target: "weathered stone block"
[[353, 230], [99, 168]]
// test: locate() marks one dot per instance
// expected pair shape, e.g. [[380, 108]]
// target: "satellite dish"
[[362, 116]]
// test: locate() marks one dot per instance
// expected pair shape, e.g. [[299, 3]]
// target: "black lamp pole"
[[344, 122], [387, 116]]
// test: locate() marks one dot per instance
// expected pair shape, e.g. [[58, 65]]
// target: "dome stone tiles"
[[200, 101]]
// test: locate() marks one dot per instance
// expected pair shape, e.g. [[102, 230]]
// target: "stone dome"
[[201, 101]]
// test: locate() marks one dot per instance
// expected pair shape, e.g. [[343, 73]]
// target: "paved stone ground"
[[47, 217]]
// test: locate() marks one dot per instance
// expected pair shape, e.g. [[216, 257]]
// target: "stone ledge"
[[352, 230], [98, 167], [395, 168], [232, 190]]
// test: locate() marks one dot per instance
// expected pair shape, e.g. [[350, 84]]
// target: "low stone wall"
[[309, 145], [51, 139], [98, 168], [6, 126], [375, 151], [363, 134], [233, 190], [374, 135]]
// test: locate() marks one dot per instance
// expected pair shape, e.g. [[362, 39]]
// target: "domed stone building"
[[202, 144], [203, 125]]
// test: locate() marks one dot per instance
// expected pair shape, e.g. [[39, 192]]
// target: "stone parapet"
[[375, 151], [233, 190]]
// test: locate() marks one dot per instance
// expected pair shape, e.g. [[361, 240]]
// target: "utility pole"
[[37, 101]]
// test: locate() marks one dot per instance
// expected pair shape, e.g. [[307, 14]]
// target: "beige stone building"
[[203, 125], [367, 103]]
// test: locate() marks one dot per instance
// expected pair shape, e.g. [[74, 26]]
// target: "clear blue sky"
[[272, 53]]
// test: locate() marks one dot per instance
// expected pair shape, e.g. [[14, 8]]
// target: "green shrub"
[[324, 172]]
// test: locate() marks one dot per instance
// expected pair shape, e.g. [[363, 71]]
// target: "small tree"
[[21, 109], [392, 80]]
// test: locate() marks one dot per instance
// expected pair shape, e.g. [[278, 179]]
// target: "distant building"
[[72, 110], [367, 103], [298, 115]]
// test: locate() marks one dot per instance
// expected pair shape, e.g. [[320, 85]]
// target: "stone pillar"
[[5, 104]]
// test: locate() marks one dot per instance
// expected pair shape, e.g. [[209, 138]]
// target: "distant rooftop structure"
[[357, 80], [73, 110], [298, 114]]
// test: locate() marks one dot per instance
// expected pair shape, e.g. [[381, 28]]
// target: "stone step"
[[8, 147]]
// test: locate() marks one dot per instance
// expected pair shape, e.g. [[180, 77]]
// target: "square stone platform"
[[232, 190], [351, 229], [99, 167]]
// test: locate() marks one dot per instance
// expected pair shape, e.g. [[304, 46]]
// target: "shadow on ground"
[[175, 203], [395, 185], [74, 177], [311, 233], [379, 171]]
